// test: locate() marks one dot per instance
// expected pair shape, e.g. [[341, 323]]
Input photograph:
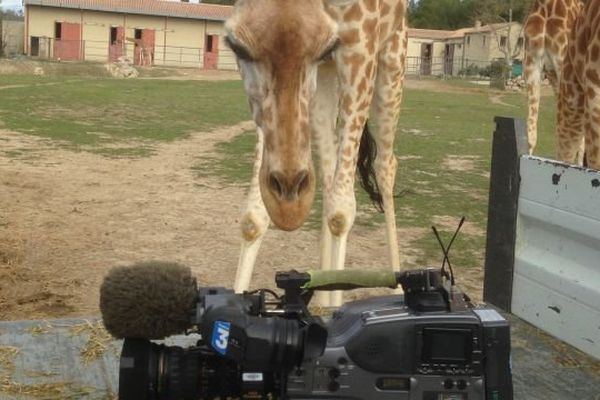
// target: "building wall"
[[438, 54], [178, 41], [484, 47], [477, 49], [516, 31], [12, 37]]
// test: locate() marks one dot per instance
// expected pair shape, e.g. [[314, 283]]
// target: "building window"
[[138, 34], [519, 43], [113, 35], [503, 40], [57, 30], [468, 40]]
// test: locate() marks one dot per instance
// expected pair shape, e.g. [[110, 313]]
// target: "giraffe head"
[[279, 45]]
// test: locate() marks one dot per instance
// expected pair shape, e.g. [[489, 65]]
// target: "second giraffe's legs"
[[533, 75], [592, 117], [570, 126], [385, 111], [254, 224]]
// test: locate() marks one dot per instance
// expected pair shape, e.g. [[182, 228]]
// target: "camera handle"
[[300, 286]]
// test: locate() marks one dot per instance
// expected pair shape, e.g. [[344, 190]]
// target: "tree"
[[6, 15], [441, 14], [492, 12]]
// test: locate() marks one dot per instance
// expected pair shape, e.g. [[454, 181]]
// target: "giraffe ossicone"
[[314, 70]]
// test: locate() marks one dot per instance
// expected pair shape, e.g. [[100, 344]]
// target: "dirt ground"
[[67, 217]]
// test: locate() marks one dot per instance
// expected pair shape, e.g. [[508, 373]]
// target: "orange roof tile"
[[145, 7]]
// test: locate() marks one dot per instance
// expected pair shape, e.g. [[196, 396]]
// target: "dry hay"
[[40, 329], [99, 340], [54, 390], [7, 356]]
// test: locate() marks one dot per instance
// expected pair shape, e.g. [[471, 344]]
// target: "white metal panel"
[[556, 283]]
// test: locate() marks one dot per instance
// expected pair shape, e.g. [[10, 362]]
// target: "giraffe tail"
[[367, 152]]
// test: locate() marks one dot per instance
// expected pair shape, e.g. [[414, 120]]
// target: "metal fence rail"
[[101, 51], [450, 67]]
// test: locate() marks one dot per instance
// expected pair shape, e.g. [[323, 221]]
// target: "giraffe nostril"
[[289, 186], [275, 184], [302, 182]]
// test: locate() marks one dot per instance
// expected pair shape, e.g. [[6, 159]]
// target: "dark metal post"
[[509, 143]]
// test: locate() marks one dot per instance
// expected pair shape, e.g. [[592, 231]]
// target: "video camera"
[[429, 344]]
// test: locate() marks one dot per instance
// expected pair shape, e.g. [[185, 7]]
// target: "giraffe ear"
[[339, 3]]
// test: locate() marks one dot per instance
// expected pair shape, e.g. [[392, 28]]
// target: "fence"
[[101, 51], [450, 67]]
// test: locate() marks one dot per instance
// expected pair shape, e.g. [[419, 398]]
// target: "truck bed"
[[77, 359]]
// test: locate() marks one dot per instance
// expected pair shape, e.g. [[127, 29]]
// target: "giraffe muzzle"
[[288, 197], [289, 187]]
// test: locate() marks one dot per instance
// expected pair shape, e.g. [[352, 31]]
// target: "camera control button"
[[334, 373], [461, 384], [448, 384], [333, 386]]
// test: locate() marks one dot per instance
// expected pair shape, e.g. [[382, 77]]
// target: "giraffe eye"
[[238, 49], [328, 53]]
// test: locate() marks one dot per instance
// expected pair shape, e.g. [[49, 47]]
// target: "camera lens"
[[155, 372]]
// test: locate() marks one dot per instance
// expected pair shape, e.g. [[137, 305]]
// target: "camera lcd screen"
[[447, 345]]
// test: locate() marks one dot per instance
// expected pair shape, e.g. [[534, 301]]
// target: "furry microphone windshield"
[[150, 300]]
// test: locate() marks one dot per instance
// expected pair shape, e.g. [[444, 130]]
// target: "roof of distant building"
[[436, 34], [145, 7], [428, 33]]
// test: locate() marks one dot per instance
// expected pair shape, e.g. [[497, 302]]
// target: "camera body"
[[428, 344], [380, 348]]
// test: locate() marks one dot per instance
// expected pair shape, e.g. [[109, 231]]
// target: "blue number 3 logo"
[[220, 336]]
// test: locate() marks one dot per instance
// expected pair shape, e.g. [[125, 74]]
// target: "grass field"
[[444, 139]]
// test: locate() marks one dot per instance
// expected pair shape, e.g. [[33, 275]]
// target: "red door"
[[117, 38], [144, 47], [211, 52], [67, 44]]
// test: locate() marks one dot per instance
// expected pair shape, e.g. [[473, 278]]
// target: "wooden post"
[[509, 143]]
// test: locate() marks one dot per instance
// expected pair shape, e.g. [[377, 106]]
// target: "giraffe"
[[546, 35], [315, 69], [579, 95]]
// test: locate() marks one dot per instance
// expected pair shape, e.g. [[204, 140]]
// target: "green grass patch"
[[94, 112], [437, 132]]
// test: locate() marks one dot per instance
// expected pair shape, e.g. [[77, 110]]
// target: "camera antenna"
[[446, 250]]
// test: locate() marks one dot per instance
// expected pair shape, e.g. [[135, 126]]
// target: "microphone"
[[150, 300]]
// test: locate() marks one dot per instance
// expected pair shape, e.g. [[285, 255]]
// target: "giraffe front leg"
[[324, 109], [356, 92], [385, 111], [340, 222], [254, 224]]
